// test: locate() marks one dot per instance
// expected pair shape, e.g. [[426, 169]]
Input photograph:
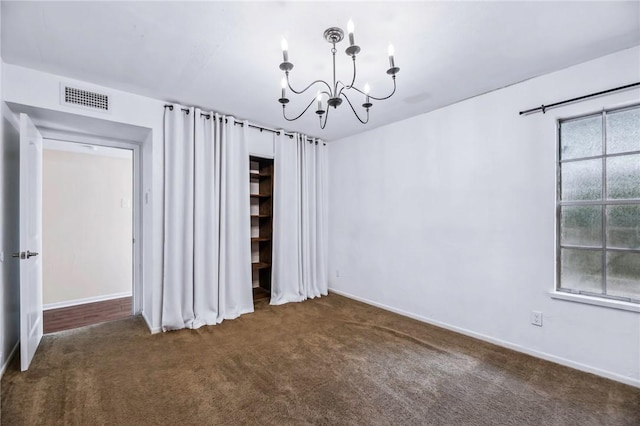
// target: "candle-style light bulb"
[[366, 91], [283, 83], [350, 29], [391, 53], [285, 50], [319, 98]]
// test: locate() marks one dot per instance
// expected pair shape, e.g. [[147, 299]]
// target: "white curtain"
[[177, 291], [207, 248], [299, 259]]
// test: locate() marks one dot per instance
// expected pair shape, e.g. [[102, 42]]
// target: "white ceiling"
[[224, 56]]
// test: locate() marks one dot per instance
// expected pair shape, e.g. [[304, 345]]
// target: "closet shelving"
[[261, 182]]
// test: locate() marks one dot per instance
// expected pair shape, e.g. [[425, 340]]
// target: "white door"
[[30, 240]]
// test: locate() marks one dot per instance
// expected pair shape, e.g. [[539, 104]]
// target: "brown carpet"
[[323, 361]]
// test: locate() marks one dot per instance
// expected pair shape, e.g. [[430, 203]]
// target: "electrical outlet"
[[536, 318]]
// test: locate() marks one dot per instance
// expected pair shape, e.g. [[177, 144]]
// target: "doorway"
[[34, 125], [88, 228]]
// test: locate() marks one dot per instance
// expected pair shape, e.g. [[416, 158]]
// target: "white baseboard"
[[9, 358], [67, 303], [518, 348], [153, 330]]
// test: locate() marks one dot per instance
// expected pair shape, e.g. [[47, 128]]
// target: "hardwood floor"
[[87, 314]]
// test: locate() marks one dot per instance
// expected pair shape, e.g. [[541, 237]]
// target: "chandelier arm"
[[326, 117], [294, 119], [379, 99], [354, 110], [335, 84], [306, 88], [353, 80]]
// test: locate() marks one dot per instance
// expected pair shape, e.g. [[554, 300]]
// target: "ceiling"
[[224, 56]]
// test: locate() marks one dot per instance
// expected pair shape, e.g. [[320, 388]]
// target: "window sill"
[[615, 304]]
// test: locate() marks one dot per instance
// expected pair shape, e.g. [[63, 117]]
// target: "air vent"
[[84, 98]]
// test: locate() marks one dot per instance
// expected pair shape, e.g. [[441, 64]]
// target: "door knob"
[[19, 254]]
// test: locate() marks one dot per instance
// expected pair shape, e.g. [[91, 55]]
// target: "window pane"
[[581, 180], [623, 131], [581, 225], [623, 176], [581, 270], [581, 138], [623, 226], [623, 274]]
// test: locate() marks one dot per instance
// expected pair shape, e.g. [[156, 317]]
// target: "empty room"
[[305, 213]]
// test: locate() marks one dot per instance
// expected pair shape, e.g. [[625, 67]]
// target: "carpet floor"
[[324, 361]]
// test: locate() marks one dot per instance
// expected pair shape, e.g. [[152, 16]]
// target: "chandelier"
[[338, 90]]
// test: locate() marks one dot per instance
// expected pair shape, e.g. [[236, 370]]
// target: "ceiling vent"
[[86, 99]]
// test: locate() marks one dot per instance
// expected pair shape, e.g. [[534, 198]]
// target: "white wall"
[[450, 217], [260, 144], [87, 224], [2, 216], [9, 291], [9, 237]]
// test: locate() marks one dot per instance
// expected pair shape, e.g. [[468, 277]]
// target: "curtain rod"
[[240, 123], [544, 108]]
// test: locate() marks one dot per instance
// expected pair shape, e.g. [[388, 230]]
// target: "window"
[[598, 205]]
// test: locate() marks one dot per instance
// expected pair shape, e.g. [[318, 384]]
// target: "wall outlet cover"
[[536, 318]]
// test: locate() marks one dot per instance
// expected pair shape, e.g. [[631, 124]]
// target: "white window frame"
[[580, 295]]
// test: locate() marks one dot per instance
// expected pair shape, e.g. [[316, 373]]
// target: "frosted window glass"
[[623, 131], [623, 226], [581, 225], [623, 274], [623, 176], [581, 270], [581, 138], [590, 196], [581, 180]]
